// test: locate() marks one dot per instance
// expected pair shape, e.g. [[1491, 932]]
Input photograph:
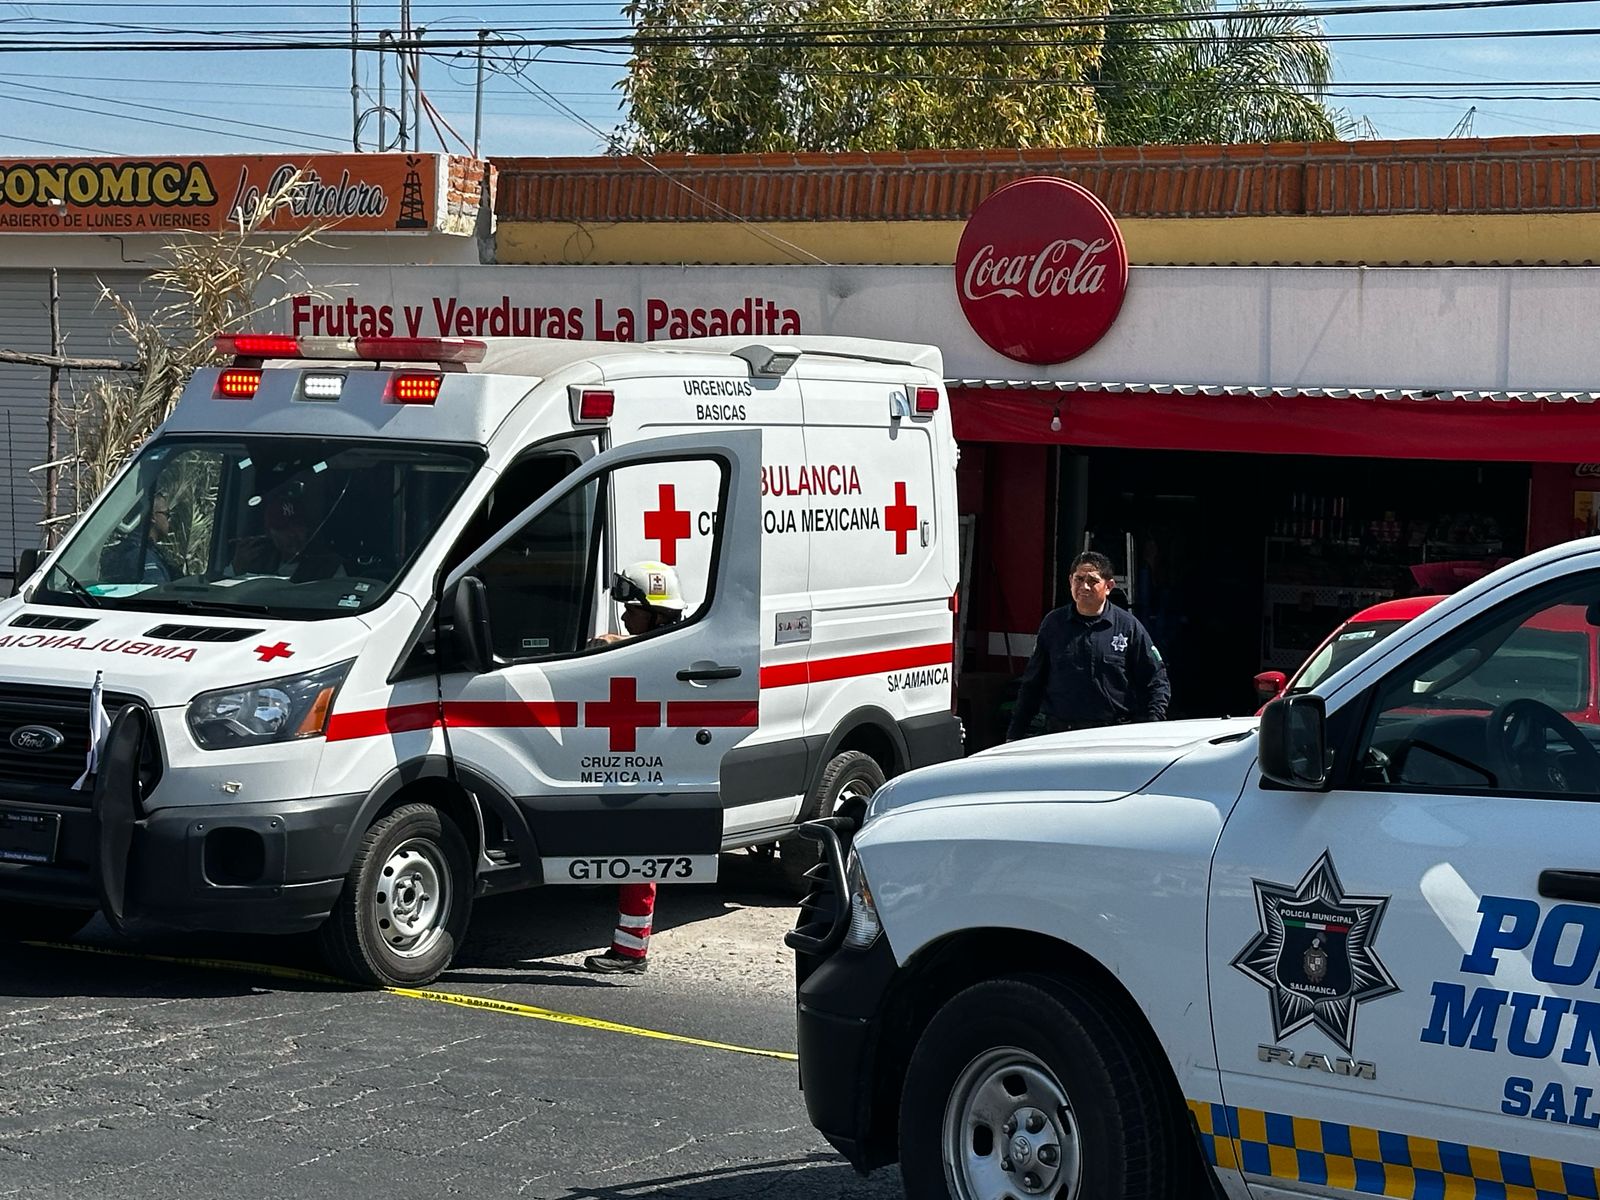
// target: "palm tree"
[[1256, 77]]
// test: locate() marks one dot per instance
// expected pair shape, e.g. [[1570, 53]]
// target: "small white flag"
[[99, 726]]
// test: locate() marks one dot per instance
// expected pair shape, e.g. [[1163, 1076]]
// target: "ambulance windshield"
[[280, 526]]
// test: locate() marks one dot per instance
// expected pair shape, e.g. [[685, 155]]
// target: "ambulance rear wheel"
[[844, 788], [406, 901], [1023, 1088], [21, 922]]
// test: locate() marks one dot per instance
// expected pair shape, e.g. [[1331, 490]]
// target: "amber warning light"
[[238, 383], [415, 388]]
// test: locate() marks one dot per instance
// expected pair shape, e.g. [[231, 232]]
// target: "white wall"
[[1468, 328]]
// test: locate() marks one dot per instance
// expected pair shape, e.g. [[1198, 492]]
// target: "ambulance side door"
[[613, 749], [1403, 967]]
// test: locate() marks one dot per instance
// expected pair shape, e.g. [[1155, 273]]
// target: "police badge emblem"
[[1315, 953], [1119, 642], [1316, 961]]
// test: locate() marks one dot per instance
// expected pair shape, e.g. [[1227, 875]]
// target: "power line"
[[14, 137], [101, 112]]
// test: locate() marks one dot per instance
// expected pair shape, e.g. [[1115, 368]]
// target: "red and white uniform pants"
[[636, 906]]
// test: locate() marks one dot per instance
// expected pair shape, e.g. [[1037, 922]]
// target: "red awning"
[[1558, 427]]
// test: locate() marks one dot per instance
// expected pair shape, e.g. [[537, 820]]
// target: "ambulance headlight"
[[278, 710], [864, 927]]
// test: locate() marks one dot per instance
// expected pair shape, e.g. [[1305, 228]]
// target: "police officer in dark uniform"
[[1093, 664]]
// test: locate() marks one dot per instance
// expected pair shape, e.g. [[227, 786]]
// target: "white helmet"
[[652, 584]]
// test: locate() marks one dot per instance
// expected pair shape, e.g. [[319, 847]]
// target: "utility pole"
[[416, 87], [355, 83], [400, 58], [477, 103], [52, 411], [383, 136]]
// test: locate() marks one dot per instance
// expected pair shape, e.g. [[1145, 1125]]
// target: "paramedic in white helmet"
[[652, 598]]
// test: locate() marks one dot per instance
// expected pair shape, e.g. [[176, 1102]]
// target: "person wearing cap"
[[288, 547], [652, 599]]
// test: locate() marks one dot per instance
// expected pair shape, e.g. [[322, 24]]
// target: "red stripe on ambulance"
[[623, 714]]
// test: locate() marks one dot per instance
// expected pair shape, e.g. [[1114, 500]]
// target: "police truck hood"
[[1086, 766], [164, 658]]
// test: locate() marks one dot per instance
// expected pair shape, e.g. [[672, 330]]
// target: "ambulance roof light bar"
[[439, 350], [770, 362]]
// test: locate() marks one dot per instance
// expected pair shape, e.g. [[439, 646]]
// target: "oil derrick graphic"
[[413, 210]]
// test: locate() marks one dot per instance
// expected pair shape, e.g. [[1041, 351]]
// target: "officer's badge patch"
[[1315, 953], [1119, 642]]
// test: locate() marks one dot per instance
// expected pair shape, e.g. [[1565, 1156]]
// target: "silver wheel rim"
[[1009, 1132], [411, 898], [854, 789]]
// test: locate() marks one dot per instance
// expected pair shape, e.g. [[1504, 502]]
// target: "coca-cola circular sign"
[[1041, 270]]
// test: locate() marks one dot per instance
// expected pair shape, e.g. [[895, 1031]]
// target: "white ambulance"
[[1349, 949], [345, 610]]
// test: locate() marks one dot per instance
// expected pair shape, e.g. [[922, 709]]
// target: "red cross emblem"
[[624, 714], [668, 524], [268, 653], [900, 518]]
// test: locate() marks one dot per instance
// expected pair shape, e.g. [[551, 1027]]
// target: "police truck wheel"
[[1023, 1088], [20, 922], [844, 787], [406, 900]]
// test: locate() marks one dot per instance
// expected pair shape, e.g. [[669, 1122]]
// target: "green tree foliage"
[[728, 76], [770, 75], [1256, 77]]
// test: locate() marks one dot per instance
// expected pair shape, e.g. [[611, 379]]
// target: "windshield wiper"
[[74, 588], [218, 606]]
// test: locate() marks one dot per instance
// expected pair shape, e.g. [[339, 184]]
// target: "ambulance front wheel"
[[844, 788], [406, 901]]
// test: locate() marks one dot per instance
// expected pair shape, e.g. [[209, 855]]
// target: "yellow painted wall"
[[1536, 238]]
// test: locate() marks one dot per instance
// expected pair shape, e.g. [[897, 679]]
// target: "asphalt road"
[[124, 1074]]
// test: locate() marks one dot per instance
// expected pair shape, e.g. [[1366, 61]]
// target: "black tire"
[[1124, 1139], [846, 784], [401, 934], [21, 922]]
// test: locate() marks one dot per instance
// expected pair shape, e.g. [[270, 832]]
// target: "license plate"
[[633, 868], [28, 837]]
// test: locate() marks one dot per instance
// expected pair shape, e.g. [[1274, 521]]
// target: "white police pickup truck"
[[1347, 949]]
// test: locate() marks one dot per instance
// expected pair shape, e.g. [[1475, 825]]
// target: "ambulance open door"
[[612, 747]]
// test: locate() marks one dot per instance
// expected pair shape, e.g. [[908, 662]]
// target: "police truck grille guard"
[[825, 912], [65, 710]]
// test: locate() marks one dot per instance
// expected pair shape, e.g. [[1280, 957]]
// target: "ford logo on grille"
[[37, 739]]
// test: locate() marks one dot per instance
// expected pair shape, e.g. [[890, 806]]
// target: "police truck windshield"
[[281, 526]]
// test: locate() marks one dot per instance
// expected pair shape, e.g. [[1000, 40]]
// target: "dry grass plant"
[[207, 285]]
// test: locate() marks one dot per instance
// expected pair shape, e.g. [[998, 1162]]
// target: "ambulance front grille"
[[27, 774]]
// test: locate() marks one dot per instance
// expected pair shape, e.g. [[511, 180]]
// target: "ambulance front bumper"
[[246, 868]]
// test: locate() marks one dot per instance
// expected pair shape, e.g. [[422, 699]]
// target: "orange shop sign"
[[353, 193]]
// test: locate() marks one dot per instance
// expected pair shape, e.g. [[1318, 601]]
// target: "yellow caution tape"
[[550, 1014], [508, 1007]]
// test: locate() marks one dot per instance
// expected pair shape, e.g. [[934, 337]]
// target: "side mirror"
[[469, 618], [1293, 742], [1270, 685], [27, 563]]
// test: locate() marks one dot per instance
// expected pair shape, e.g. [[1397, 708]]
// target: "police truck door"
[[612, 748], [1403, 968]]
